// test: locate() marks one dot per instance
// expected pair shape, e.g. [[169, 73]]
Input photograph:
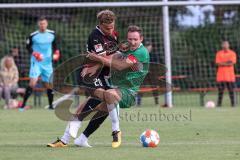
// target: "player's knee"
[[106, 96], [109, 93], [109, 97], [99, 93]]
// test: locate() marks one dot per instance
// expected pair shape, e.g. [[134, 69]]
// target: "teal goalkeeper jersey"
[[44, 43]]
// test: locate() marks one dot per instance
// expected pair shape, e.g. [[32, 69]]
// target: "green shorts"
[[128, 98]]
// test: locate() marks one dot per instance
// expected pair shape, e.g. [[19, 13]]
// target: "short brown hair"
[[134, 28], [106, 16], [42, 18]]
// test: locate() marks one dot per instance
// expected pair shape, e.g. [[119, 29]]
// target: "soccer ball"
[[210, 104], [149, 138]]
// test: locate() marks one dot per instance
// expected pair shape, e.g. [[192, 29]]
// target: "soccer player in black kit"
[[103, 34]]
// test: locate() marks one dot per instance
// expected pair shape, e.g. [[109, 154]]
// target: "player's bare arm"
[[117, 61]]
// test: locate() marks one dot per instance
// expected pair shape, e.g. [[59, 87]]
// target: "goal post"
[[167, 53]]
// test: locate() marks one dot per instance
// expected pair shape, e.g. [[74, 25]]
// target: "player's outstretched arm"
[[116, 61]]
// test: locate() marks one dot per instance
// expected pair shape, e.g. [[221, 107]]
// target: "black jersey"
[[96, 42]]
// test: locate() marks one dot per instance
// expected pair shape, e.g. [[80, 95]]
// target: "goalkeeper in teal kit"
[[41, 44]]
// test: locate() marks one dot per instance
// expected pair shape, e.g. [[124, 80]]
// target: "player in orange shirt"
[[225, 60]]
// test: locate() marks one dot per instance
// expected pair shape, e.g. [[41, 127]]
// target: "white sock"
[[66, 136], [113, 114], [83, 138], [74, 127]]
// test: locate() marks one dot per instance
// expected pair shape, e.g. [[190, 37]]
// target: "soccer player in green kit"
[[128, 71]]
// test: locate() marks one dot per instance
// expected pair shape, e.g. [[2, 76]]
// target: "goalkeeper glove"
[[56, 55], [38, 56]]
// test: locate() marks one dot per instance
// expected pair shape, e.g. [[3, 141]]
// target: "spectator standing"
[[225, 61]]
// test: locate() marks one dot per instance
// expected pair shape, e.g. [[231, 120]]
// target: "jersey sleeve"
[[54, 43], [94, 44], [29, 44]]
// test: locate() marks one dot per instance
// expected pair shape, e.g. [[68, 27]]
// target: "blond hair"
[[106, 16], [8, 76], [3, 66]]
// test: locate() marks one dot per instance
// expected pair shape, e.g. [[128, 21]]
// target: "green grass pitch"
[[187, 133]]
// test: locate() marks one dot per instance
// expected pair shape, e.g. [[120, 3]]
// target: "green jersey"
[[132, 78]]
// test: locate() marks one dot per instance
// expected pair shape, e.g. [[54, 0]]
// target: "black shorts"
[[90, 84]]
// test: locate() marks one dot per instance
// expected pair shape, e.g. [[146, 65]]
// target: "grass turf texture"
[[198, 134]]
